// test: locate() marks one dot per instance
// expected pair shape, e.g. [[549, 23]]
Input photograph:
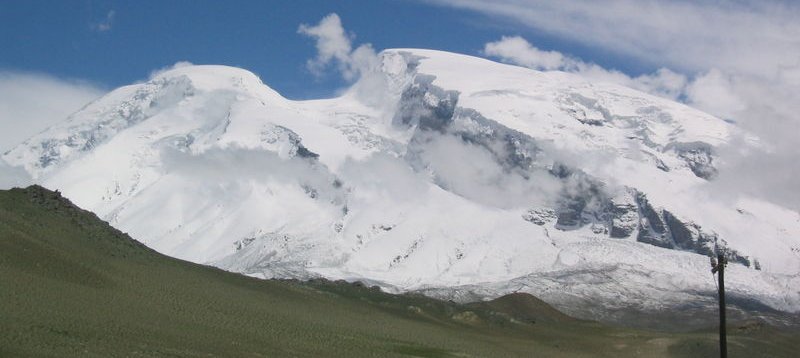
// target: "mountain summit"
[[434, 171]]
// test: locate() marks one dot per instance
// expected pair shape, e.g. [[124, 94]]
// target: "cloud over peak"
[[334, 46], [31, 102], [516, 50]]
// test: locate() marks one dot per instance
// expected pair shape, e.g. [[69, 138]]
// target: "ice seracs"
[[434, 171]]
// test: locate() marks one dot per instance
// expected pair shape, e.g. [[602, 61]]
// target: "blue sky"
[[81, 40]]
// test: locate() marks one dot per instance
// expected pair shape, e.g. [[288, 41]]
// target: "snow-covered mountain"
[[433, 171]]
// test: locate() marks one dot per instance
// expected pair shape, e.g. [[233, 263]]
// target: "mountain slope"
[[73, 285], [434, 171]]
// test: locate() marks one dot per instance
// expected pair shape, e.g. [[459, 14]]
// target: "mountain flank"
[[434, 172]]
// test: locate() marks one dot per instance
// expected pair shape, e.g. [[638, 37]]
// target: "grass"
[[71, 285]]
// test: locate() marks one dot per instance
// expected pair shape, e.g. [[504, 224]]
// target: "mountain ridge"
[[434, 171]]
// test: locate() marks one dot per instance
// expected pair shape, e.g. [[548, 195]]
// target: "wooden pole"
[[719, 268]]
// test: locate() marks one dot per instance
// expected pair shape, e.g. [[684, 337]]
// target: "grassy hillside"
[[71, 285]]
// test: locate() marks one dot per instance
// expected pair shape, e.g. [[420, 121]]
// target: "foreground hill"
[[74, 286]]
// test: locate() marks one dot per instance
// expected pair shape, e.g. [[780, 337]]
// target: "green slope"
[[71, 285]]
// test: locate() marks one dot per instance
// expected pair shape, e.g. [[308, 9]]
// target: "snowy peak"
[[215, 77], [128, 106]]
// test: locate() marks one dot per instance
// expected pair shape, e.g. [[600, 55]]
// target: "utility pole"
[[718, 267]]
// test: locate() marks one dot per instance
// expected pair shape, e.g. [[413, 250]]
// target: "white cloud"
[[334, 46], [713, 93], [738, 60], [756, 37], [11, 177], [769, 109], [519, 51], [663, 82], [482, 178], [516, 50], [332, 42], [106, 23], [29, 103]]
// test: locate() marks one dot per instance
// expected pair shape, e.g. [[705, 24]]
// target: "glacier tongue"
[[435, 171]]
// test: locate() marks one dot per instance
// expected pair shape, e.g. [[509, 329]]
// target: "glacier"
[[435, 172]]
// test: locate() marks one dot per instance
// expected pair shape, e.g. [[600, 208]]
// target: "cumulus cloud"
[[516, 50], [772, 112], [519, 51], [383, 175], [334, 47], [29, 103], [713, 92], [737, 60], [482, 179], [11, 177]]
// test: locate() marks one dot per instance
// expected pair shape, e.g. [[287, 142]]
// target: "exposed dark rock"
[[303, 152], [700, 162], [698, 157], [274, 134], [649, 237], [513, 149], [624, 215], [661, 165], [652, 229], [690, 236], [560, 170], [539, 216], [653, 218], [570, 212], [580, 108], [583, 200], [310, 191], [426, 106], [432, 108]]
